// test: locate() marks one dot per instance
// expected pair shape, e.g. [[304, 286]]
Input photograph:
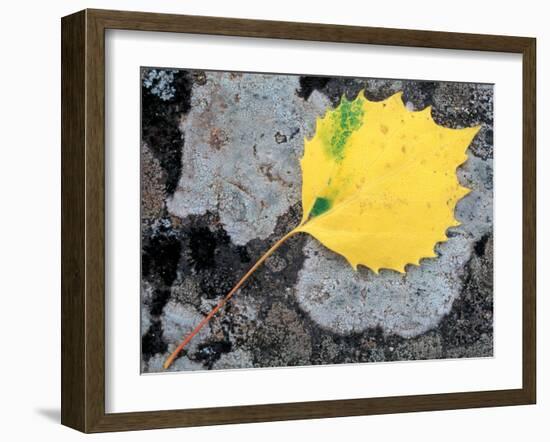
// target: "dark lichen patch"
[[161, 250], [479, 246], [202, 248], [280, 138], [308, 84], [158, 301], [334, 88], [152, 341], [160, 257], [283, 341], [209, 353], [161, 110], [463, 104], [209, 258], [419, 93], [471, 317], [244, 256], [218, 284]]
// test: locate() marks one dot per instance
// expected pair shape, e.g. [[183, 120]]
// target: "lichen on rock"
[[234, 160]]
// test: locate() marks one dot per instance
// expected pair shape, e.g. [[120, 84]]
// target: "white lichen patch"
[[160, 83], [344, 301], [244, 137]]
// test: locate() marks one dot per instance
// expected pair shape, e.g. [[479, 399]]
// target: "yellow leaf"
[[379, 182]]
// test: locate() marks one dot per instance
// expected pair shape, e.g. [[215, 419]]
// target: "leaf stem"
[[227, 297]]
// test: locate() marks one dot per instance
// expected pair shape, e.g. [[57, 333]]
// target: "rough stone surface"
[[221, 183]]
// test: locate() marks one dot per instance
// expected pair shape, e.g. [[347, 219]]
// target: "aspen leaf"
[[379, 183]]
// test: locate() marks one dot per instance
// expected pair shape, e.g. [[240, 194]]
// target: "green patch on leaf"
[[320, 206], [346, 118]]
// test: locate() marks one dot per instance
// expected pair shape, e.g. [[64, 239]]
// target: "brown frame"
[[83, 215]]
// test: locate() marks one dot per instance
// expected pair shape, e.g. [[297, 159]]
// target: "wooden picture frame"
[[83, 219]]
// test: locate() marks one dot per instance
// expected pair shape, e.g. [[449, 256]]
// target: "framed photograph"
[[266, 221]]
